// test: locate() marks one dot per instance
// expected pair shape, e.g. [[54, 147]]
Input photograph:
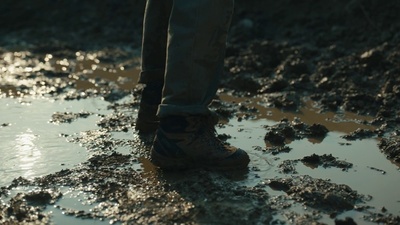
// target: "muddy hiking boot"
[[147, 121], [191, 142]]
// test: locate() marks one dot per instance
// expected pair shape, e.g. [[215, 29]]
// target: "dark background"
[[90, 24]]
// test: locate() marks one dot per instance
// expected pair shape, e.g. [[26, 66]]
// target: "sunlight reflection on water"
[[31, 146], [27, 152]]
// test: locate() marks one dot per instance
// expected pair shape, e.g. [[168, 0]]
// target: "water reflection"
[[345, 122], [27, 152]]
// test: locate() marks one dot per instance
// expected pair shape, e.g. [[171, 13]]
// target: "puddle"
[[31, 146], [70, 200], [345, 122], [38, 149], [372, 174]]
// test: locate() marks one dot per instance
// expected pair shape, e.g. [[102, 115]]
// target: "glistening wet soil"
[[312, 96]]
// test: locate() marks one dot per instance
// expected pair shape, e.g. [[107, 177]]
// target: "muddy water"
[[372, 173], [32, 145]]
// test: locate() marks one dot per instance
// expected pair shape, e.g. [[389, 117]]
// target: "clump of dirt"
[[274, 150], [288, 166], [325, 161], [383, 218], [391, 147], [359, 134], [285, 131], [116, 122], [113, 159], [314, 160], [68, 117], [318, 193], [28, 207]]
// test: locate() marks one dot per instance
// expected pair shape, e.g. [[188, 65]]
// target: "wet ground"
[[310, 91]]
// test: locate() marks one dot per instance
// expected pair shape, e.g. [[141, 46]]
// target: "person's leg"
[[196, 47], [154, 44], [195, 54], [154, 41]]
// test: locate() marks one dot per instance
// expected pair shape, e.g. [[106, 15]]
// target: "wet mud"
[[286, 60]]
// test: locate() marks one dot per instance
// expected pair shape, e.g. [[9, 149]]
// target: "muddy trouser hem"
[[195, 50]]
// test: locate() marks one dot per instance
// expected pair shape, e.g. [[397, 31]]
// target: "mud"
[[318, 193], [313, 161], [289, 131], [340, 56], [390, 146]]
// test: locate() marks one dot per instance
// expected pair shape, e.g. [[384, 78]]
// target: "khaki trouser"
[[184, 47]]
